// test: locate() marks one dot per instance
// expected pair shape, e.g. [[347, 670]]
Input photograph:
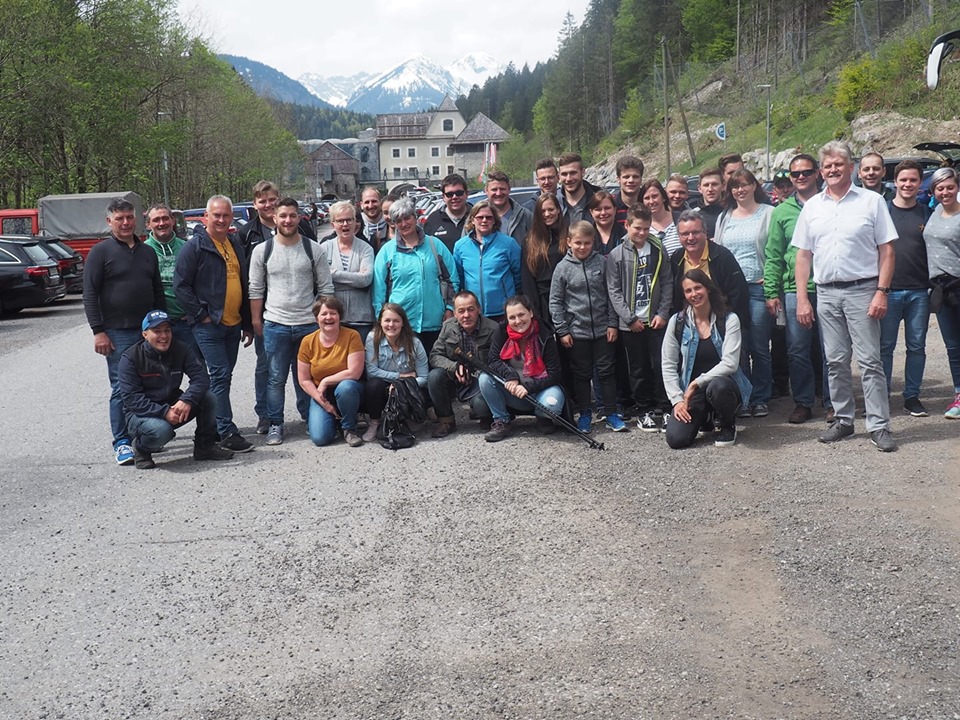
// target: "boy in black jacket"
[[150, 375]]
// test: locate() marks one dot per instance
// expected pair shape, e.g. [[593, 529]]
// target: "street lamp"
[[767, 88]]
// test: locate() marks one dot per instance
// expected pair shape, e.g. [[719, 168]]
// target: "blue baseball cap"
[[154, 318]]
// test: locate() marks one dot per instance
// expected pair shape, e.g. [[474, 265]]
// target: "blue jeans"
[[498, 399], [322, 426], [799, 358], [913, 307], [122, 338], [219, 345], [282, 343], [761, 327], [948, 318], [152, 433], [184, 333], [261, 378]]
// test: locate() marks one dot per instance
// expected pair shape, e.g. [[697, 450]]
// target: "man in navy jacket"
[[151, 372]]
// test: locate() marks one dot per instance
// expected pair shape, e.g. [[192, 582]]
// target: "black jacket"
[[121, 285], [200, 280], [443, 228], [726, 273], [150, 381], [551, 358]]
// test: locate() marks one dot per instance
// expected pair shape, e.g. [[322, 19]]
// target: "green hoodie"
[[167, 257], [780, 265]]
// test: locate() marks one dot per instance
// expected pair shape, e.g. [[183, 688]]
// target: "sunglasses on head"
[[802, 173], [455, 193]]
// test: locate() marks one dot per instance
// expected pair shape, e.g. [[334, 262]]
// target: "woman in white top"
[[743, 229]]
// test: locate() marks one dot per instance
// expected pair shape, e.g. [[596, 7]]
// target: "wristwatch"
[[884, 290]]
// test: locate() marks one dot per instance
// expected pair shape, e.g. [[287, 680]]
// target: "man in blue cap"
[[150, 374]]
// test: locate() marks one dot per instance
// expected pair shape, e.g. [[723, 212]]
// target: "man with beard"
[[296, 273]]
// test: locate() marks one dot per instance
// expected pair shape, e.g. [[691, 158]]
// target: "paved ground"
[[531, 579]]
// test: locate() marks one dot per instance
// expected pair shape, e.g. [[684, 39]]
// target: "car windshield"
[[36, 253]]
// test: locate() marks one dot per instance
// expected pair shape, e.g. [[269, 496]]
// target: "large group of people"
[[581, 303]]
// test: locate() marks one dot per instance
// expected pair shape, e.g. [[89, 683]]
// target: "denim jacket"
[[389, 365]]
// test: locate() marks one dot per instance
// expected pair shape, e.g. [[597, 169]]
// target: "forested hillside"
[[606, 83]]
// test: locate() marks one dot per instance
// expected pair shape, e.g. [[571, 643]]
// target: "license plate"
[[54, 278]]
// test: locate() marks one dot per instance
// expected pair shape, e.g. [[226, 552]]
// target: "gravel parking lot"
[[535, 578]]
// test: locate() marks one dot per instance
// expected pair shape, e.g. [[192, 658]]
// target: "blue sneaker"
[[616, 423], [124, 453], [584, 421]]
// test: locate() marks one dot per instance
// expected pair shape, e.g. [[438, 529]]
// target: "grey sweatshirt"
[[579, 305], [287, 282]]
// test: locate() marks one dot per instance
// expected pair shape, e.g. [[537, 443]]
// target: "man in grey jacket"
[[296, 273], [515, 219], [469, 332]]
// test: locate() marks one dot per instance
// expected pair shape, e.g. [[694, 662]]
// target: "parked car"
[[69, 260], [28, 277]]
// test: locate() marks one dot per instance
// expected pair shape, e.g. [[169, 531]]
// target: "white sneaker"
[[648, 423]]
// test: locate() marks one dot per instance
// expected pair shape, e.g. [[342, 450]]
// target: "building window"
[[449, 169], [364, 173], [435, 170], [396, 152], [449, 150], [364, 154], [448, 125], [413, 172], [396, 172], [411, 152], [434, 152]]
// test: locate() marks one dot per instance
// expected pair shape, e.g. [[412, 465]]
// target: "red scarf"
[[533, 365]]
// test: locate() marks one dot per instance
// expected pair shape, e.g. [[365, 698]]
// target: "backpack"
[[404, 406]]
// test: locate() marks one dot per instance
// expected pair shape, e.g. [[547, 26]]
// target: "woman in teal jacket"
[[412, 270], [487, 260]]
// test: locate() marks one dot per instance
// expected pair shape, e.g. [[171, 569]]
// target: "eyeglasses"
[[802, 173], [691, 233], [455, 193], [343, 221], [484, 218]]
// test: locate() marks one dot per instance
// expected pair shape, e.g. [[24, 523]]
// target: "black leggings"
[[722, 396]]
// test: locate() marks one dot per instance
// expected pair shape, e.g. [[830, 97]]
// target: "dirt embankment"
[[889, 133]]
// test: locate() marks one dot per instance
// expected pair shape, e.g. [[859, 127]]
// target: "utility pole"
[[683, 114], [166, 166], [738, 36], [768, 168], [666, 109]]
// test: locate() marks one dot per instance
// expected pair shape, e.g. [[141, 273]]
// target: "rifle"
[[478, 364]]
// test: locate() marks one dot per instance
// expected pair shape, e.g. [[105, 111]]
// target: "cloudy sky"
[[333, 37]]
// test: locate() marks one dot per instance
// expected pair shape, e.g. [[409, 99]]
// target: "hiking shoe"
[[648, 423], [761, 410], [837, 431], [124, 453], [744, 411], [952, 413], [616, 423], [584, 421], [727, 436], [211, 452], [275, 435], [352, 439], [883, 440], [445, 426], [143, 460], [263, 426], [236, 443], [499, 430], [913, 406], [371, 434], [800, 414], [546, 425]]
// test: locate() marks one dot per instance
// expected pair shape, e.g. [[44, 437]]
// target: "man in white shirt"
[[847, 235]]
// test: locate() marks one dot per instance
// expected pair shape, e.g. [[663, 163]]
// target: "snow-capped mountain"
[[335, 90], [271, 83], [474, 69], [415, 84]]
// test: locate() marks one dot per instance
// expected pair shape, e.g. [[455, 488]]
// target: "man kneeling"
[[469, 332], [150, 374]]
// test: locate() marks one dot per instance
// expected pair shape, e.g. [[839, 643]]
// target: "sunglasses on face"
[[454, 193], [484, 218], [802, 173]]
